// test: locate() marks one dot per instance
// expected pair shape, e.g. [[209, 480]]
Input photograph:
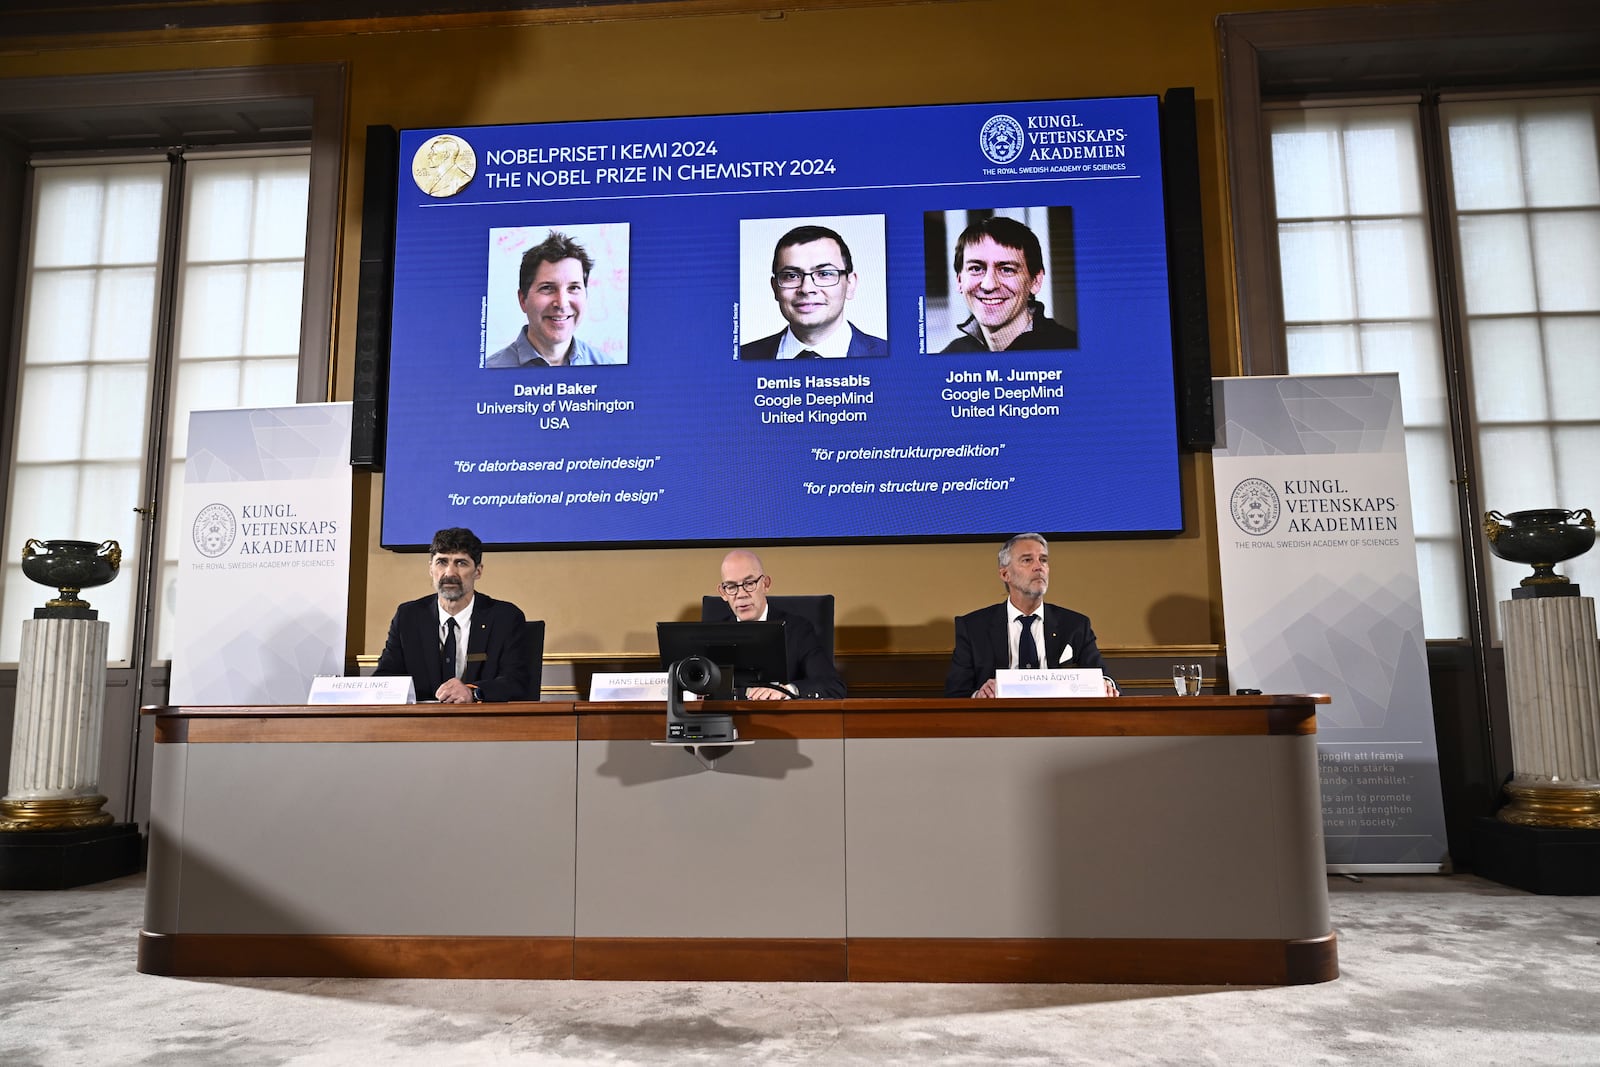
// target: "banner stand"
[[1320, 595], [264, 554]]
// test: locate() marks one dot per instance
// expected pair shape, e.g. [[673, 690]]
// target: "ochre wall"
[[683, 60]]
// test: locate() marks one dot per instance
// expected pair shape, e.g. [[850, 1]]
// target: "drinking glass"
[[1186, 679]]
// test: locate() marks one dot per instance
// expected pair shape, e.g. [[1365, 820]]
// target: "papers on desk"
[[1051, 682], [388, 690]]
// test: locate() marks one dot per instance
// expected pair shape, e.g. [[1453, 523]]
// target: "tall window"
[[1358, 263], [105, 391], [238, 322], [1525, 179]]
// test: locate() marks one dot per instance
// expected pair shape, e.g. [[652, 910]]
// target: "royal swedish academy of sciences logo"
[[214, 530], [1255, 506], [1001, 139]]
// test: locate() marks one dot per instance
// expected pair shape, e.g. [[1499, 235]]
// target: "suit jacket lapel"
[[431, 674], [999, 639], [1054, 639]]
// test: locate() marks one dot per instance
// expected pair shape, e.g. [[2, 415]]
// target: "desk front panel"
[[440, 838], [1084, 837], [753, 848]]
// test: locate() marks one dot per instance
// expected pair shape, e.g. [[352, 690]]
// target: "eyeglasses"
[[790, 278], [748, 585]]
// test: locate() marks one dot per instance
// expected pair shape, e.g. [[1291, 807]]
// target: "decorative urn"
[[70, 566], [1541, 538]]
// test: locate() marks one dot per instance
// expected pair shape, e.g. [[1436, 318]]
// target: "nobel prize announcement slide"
[[872, 324]]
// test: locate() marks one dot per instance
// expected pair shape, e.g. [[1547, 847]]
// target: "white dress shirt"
[[1014, 631], [463, 627], [834, 346]]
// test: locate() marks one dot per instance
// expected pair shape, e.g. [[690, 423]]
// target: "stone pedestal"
[[55, 742], [53, 834], [1553, 693]]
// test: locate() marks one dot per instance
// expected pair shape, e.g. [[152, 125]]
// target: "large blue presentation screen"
[[892, 323]]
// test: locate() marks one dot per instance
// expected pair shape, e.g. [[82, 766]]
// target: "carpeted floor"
[[1436, 970]]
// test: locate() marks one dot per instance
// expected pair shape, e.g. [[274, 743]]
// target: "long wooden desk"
[[1138, 839]]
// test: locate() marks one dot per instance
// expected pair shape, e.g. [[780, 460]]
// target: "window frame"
[[52, 104], [39, 101]]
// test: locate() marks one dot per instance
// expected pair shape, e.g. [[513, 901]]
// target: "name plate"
[[629, 686], [1051, 682], [389, 690]]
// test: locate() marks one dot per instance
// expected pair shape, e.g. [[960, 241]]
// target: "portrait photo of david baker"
[[824, 308], [571, 289]]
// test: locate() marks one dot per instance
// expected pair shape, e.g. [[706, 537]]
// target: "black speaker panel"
[[374, 292], [1186, 271]]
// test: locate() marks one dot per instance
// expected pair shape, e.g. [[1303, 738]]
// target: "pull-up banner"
[[263, 554], [1320, 595]]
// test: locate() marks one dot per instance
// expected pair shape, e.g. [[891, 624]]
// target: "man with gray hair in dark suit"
[[1024, 631]]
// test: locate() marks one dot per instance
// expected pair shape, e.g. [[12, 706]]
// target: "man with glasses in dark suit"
[[744, 588], [813, 278], [1022, 632]]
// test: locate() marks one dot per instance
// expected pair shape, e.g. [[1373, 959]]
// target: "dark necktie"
[[447, 656], [808, 354], [1027, 651]]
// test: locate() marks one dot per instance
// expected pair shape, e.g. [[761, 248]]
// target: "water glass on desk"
[[1186, 679]]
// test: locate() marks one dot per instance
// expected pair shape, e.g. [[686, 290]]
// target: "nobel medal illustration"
[[444, 165]]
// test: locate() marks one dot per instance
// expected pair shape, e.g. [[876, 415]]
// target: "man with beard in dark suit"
[[1000, 636], [459, 646], [744, 588]]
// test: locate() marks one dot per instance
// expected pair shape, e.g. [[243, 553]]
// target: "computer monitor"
[[747, 653]]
